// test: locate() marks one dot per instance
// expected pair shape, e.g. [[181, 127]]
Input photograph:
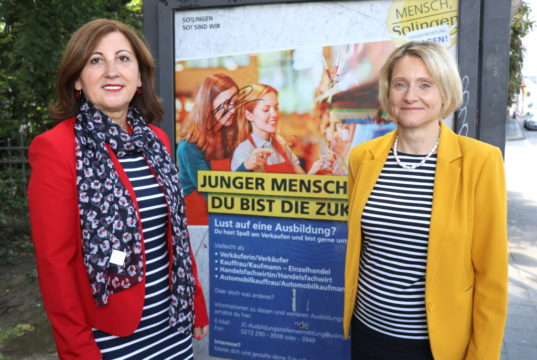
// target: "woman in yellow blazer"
[[460, 296]]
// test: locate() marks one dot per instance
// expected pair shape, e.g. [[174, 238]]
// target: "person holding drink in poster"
[[426, 262], [263, 150]]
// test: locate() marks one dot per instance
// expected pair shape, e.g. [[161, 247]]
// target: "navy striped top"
[[154, 338], [395, 233]]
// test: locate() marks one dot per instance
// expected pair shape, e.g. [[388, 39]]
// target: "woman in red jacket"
[[116, 270]]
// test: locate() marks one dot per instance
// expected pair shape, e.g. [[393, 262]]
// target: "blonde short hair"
[[441, 67]]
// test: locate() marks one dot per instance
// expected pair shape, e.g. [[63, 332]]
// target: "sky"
[[530, 43]]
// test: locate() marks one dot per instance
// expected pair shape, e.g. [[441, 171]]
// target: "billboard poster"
[[269, 101]]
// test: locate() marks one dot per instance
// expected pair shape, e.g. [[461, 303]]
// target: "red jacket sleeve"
[[55, 226], [200, 307]]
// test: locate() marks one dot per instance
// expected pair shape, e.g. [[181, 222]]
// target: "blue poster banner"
[[276, 288]]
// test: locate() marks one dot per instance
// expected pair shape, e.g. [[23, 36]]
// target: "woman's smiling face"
[[415, 99], [265, 116], [224, 108], [111, 76]]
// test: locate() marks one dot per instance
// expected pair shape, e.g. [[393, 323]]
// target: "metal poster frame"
[[482, 57]]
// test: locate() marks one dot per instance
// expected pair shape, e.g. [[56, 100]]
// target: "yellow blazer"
[[466, 276]]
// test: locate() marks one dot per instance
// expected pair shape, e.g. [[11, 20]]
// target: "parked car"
[[530, 122]]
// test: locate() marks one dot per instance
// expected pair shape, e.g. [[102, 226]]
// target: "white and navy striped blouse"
[[154, 338], [395, 233]]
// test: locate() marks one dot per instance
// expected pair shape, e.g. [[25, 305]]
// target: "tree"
[[520, 27], [32, 37]]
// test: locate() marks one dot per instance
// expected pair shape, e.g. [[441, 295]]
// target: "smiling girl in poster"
[[263, 150], [210, 135]]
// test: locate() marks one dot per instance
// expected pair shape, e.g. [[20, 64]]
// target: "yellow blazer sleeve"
[[355, 160], [354, 163], [489, 258]]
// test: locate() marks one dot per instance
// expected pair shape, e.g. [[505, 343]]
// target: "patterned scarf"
[[109, 219]]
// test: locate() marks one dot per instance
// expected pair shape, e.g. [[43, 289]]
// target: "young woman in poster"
[[426, 263], [212, 131], [263, 150]]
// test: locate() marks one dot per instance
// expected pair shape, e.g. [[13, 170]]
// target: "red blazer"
[[64, 284]]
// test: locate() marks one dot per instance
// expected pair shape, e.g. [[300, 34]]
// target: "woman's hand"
[[200, 332], [324, 163], [257, 159], [341, 143]]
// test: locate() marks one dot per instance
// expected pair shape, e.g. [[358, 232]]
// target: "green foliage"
[[15, 331], [14, 222], [33, 34], [520, 27], [31, 44]]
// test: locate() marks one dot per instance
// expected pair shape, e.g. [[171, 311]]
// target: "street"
[[520, 340]]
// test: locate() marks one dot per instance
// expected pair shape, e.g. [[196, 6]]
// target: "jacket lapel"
[[446, 186], [370, 170]]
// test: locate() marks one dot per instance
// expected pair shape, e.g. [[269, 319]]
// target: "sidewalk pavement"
[[513, 130], [520, 340]]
